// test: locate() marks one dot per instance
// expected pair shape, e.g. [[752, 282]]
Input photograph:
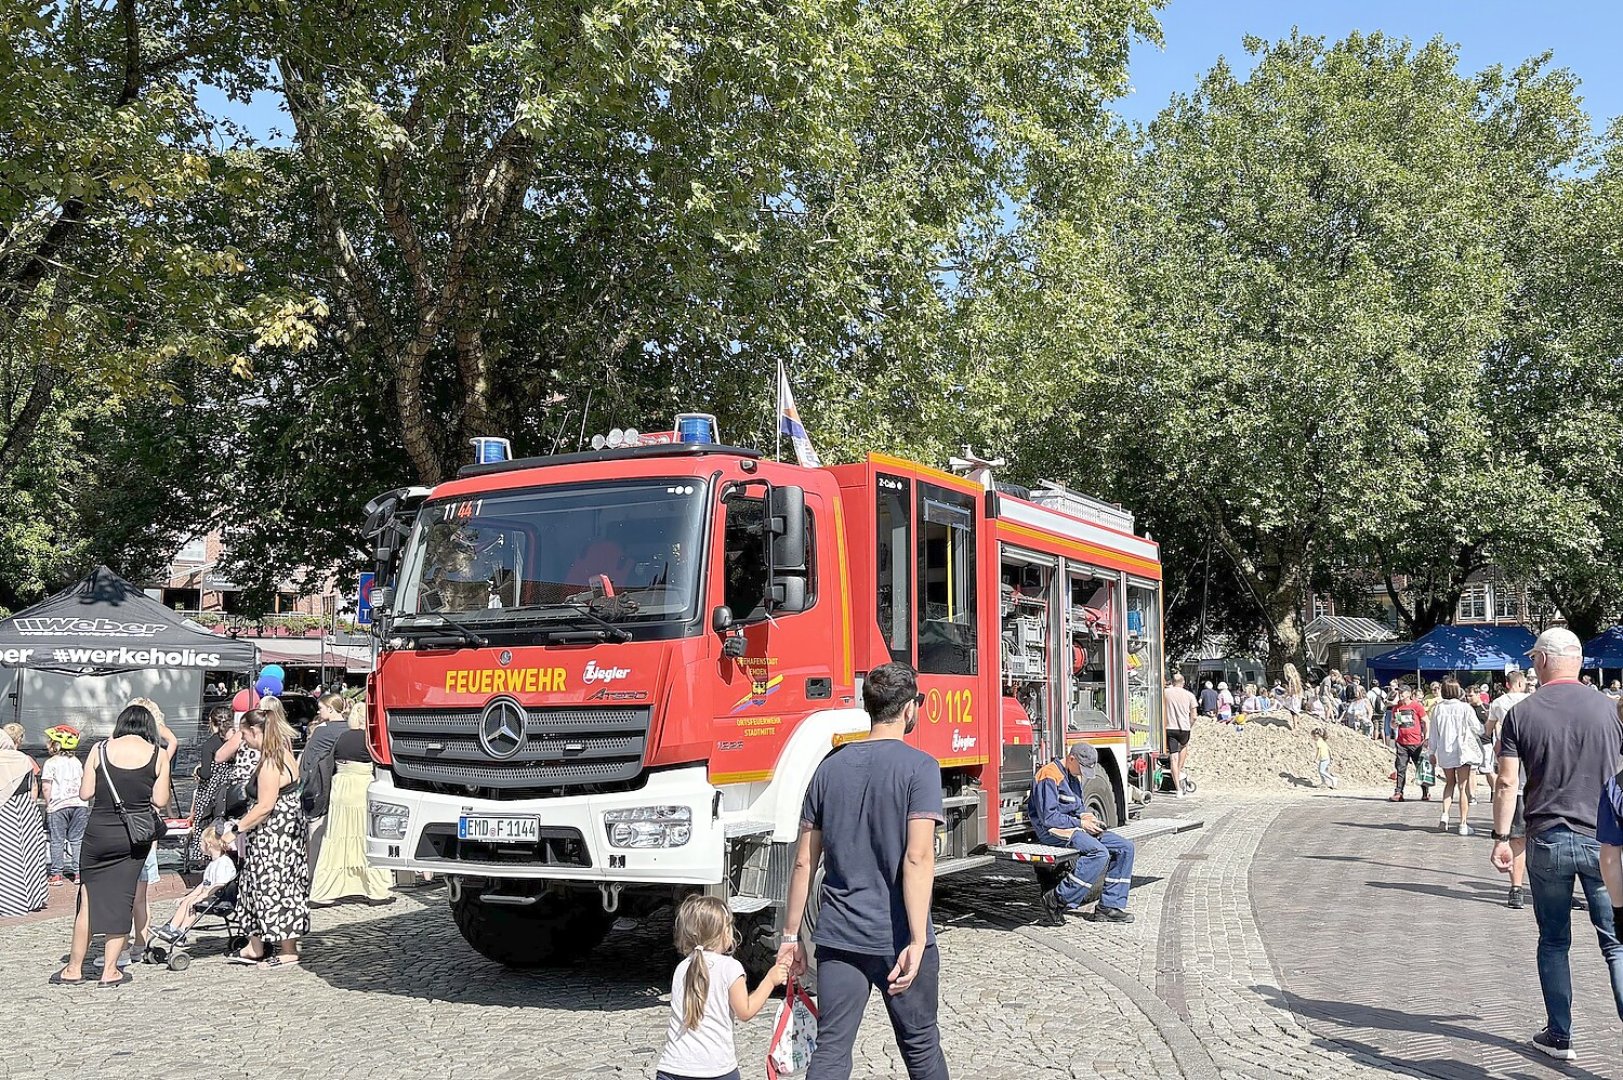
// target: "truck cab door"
[[787, 669], [957, 720]]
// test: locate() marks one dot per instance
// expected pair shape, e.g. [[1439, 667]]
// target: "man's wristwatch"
[[1503, 838], [791, 939]]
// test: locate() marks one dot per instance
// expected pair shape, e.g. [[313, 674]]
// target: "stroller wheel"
[[179, 961], [1188, 786]]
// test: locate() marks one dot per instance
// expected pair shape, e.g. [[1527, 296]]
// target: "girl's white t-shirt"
[[708, 1049]]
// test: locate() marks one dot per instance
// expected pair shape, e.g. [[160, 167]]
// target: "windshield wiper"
[[435, 623], [614, 633]]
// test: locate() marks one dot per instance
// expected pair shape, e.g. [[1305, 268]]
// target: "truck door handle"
[[819, 689]]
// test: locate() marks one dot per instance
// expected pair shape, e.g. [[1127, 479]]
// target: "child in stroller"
[[216, 894]]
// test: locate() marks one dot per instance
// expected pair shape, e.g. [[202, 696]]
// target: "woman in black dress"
[[108, 866], [273, 898]]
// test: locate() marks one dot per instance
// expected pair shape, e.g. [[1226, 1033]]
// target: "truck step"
[[967, 862], [747, 905], [732, 830], [1029, 852], [1136, 831]]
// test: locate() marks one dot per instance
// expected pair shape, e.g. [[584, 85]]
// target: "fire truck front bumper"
[[664, 833]]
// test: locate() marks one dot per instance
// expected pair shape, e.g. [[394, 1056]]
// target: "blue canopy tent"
[[1457, 648], [1605, 650]]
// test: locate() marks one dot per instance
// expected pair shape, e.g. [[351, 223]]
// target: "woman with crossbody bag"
[[124, 779]]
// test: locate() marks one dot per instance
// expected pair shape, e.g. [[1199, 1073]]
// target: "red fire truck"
[[605, 678]]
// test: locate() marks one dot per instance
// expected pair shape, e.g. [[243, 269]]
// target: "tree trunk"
[[1586, 616], [1286, 644]]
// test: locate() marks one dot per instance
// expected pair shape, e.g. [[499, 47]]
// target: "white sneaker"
[[1465, 830], [124, 960]]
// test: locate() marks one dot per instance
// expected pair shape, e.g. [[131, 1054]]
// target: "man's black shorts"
[[1176, 740]]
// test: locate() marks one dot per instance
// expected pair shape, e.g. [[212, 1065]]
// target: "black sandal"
[[124, 978], [241, 957], [58, 980]]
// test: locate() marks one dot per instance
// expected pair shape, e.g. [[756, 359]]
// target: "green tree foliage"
[[648, 203], [1315, 283], [1559, 380], [116, 280]]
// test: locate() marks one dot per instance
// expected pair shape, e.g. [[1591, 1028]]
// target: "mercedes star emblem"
[[501, 728]]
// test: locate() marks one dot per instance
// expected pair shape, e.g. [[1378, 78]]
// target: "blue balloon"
[[268, 686], [273, 670]]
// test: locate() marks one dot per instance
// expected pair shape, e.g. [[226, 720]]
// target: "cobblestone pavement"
[[1191, 989], [1394, 938]]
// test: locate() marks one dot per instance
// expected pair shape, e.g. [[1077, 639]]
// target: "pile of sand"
[[1264, 754]]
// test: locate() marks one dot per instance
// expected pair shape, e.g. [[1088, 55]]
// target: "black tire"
[[1188, 786], [559, 928], [1099, 797]]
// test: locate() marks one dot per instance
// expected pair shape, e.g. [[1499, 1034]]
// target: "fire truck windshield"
[[626, 553]]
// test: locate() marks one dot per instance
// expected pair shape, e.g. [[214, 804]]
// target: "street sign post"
[[363, 603]]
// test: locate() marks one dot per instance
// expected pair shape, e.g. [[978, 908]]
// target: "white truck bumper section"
[[663, 833]]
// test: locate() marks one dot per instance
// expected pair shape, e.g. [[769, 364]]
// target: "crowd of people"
[[275, 830]]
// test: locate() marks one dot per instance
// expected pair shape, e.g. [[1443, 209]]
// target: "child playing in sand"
[[1322, 745]]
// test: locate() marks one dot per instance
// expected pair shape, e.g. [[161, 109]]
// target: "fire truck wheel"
[[1100, 797], [559, 928]]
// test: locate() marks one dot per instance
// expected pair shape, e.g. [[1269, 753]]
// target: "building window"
[[1322, 606], [1506, 603], [1473, 604], [194, 550]]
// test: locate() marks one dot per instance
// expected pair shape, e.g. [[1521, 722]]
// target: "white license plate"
[[499, 830]]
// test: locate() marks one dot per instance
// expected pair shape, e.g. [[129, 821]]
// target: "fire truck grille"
[[440, 749]]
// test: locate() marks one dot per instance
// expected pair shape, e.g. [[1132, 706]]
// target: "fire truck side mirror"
[[721, 620], [786, 529], [788, 595]]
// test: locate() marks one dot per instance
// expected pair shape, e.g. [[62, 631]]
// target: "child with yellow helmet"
[[66, 814]]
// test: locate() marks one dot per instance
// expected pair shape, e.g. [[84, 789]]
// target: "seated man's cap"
[[1086, 756]]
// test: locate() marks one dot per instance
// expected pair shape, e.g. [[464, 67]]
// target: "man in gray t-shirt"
[[869, 817], [1567, 738]]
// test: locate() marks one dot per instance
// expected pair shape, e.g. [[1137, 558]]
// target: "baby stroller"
[[218, 912]]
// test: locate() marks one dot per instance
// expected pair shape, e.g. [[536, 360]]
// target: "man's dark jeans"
[[1554, 858], [844, 982], [1406, 756]]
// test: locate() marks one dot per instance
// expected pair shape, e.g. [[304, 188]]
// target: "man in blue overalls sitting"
[[1059, 816]]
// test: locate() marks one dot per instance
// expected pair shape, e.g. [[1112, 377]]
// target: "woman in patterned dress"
[[273, 897], [224, 760], [23, 848]]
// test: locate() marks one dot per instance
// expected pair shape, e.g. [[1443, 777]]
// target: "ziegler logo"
[[593, 673], [962, 742]]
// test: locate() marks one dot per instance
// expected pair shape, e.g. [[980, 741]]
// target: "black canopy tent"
[[79, 656], [104, 625]]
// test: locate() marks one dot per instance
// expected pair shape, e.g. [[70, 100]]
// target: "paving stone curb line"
[[1192, 1059]]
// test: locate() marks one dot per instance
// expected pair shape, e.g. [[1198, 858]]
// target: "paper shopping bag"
[[794, 1034]]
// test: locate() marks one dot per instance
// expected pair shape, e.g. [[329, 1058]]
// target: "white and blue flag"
[[789, 423]]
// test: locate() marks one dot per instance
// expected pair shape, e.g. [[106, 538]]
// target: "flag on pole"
[[789, 423]]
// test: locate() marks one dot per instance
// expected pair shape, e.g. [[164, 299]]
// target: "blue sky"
[[1583, 36]]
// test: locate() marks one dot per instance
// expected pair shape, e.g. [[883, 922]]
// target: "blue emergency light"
[[696, 428], [488, 449]]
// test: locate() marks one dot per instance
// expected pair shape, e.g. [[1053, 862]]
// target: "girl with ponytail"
[[707, 992]]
